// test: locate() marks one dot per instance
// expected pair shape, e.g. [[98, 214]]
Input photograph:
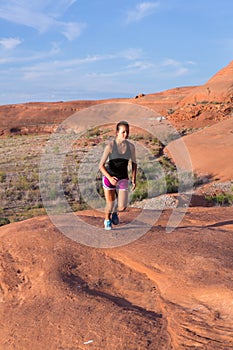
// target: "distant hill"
[[191, 106], [219, 88]]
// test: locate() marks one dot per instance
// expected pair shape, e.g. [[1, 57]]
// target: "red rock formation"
[[217, 89], [164, 291], [203, 105]]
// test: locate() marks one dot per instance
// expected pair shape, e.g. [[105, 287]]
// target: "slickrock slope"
[[57, 294], [210, 151], [218, 88], [207, 104], [163, 291], [164, 102]]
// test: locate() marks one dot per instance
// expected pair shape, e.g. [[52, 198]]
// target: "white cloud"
[[170, 62], [31, 56], [132, 54], [132, 69], [174, 68], [140, 65], [10, 43], [192, 63], [25, 14], [40, 15], [53, 67], [49, 67], [141, 10], [58, 7], [73, 30], [128, 62]]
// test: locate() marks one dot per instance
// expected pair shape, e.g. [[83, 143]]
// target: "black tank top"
[[118, 162]]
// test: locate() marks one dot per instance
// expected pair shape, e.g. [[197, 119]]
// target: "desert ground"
[[171, 288]]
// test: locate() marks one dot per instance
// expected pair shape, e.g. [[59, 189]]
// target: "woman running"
[[115, 173]]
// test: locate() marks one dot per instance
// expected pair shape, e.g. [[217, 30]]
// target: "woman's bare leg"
[[110, 196], [122, 196]]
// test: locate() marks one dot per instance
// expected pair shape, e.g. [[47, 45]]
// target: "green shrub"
[[141, 191], [93, 132], [172, 183], [4, 221], [136, 137], [221, 199], [23, 183], [2, 176], [166, 164]]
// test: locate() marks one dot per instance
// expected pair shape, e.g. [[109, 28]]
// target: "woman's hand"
[[133, 185], [113, 180]]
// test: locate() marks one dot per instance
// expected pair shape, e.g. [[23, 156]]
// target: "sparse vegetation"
[[4, 221], [136, 137], [2, 176], [221, 199], [20, 165]]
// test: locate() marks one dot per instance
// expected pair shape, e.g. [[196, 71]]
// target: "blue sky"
[[78, 49]]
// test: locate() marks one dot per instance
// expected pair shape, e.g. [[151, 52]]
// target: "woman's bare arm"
[[108, 149], [134, 166]]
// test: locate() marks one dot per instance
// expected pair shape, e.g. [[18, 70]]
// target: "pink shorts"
[[122, 184]]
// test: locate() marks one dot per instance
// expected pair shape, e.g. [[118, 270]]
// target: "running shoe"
[[115, 219], [107, 224]]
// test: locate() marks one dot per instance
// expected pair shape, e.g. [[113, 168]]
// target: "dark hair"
[[122, 122]]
